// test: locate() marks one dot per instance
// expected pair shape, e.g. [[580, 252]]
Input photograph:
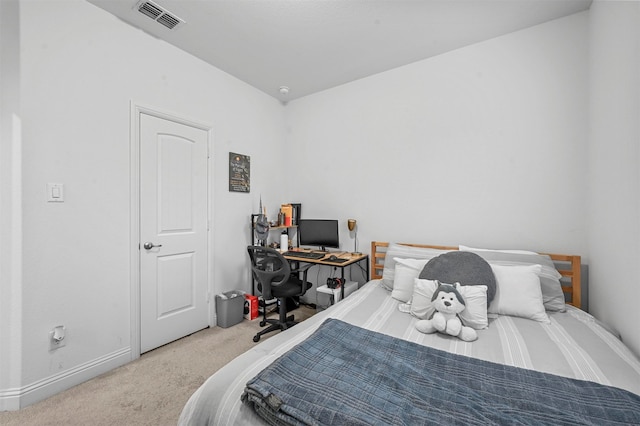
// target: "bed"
[[555, 362]]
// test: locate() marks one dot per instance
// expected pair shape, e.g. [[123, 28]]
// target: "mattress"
[[573, 344]]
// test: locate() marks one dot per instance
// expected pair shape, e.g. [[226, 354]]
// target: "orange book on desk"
[[287, 209]]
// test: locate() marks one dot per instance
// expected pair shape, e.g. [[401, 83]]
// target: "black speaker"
[[296, 213]]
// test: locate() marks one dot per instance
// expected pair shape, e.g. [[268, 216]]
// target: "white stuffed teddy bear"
[[448, 303]]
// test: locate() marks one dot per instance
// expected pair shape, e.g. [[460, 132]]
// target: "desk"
[[351, 259]]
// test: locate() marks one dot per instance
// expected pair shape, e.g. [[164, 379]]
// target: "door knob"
[[149, 245]]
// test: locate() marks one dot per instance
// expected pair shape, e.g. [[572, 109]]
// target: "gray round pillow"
[[463, 267]]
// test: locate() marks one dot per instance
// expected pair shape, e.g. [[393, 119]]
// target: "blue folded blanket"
[[346, 375]]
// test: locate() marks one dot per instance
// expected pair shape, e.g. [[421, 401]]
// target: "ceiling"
[[313, 45]]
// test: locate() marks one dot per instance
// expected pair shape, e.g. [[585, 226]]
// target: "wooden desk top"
[[351, 258]]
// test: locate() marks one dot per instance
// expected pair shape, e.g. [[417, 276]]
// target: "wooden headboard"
[[567, 265]]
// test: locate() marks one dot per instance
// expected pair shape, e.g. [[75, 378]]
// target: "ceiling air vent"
[[158, 14]]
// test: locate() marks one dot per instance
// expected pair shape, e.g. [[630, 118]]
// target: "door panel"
[[175, 186], [177, 288], [173, 218]]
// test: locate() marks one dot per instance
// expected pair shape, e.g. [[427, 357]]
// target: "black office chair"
[[276, 279]]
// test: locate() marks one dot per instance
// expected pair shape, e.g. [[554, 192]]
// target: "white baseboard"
[[17, 398]]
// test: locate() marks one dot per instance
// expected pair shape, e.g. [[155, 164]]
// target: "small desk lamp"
[[352, 225]]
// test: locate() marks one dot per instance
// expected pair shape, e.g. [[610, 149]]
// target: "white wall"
[[614, 160], [10, 205], [81, 68], [485, 146]]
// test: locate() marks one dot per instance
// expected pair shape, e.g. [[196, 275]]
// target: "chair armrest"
[[303, 268]]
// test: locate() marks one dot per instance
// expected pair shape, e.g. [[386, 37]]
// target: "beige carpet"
[[150, 390]]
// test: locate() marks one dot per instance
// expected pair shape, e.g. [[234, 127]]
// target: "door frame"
[[136, 110]]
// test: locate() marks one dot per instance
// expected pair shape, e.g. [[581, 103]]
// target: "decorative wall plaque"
[[239, 172]]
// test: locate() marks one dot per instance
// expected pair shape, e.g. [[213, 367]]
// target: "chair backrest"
[[269, 268]]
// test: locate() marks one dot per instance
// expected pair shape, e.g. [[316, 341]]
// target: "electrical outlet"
[[57, 338]]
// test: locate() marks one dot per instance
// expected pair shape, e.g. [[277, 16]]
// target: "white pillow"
[[467, 248], [475, 297], [407, 270], [552, 294], [405, 252], [475, 313], [518, 292], [421, 306]]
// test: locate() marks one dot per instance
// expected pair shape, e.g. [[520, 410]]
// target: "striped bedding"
[[573, 345]]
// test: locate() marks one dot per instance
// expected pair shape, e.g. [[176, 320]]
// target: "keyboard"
[[305, 254]]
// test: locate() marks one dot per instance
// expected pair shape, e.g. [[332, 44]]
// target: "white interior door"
[[173, 230]]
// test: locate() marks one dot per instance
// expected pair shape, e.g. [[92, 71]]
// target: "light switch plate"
[[55, 192]]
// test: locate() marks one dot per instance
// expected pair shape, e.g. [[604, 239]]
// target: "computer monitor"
[[321, 233]]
